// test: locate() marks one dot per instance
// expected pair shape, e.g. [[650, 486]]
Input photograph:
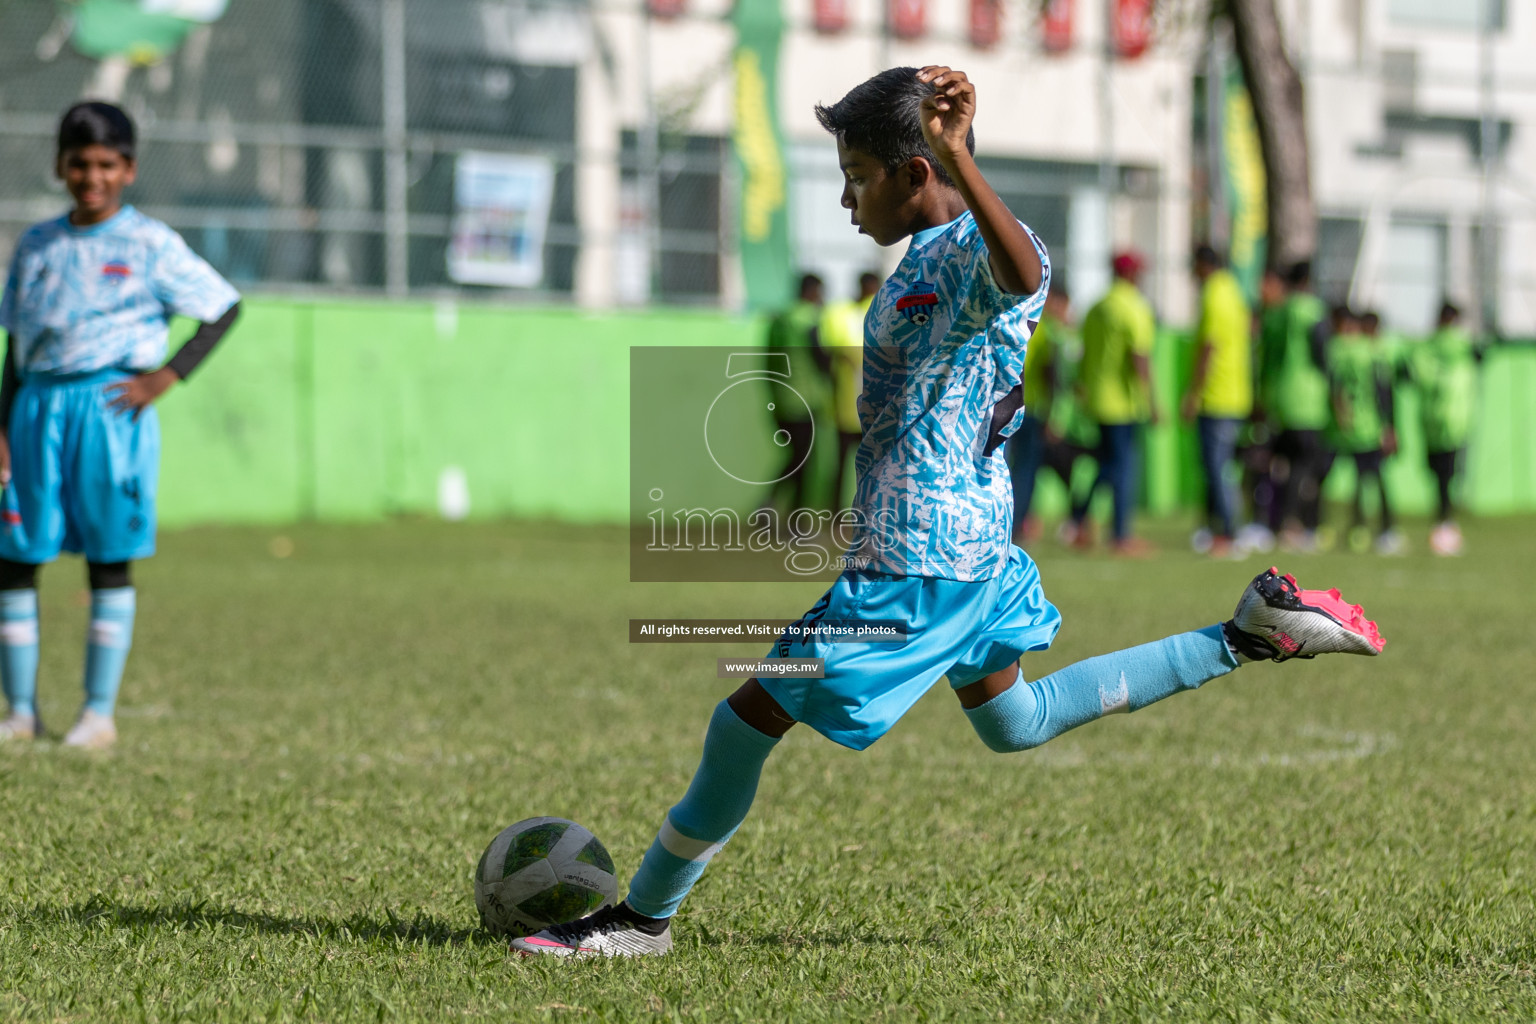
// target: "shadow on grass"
[[201, 915], [197, 915]]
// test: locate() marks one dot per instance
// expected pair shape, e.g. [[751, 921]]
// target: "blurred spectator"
[[1027, 448], [1360, 380], [842, 341], [1116, 386], [1220, 395], [1444, 369], [806, 394], [1256, 447], [1296, 398]]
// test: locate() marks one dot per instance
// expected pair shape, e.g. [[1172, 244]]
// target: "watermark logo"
[[734, 462], [748, 373]]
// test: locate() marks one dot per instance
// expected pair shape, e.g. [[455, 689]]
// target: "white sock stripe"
[[19, 633], [109, 633], [679, 845]]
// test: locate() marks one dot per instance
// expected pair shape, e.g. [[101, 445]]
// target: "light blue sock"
[[106, 649], [715, 805], [18, 649], [1028, 714]]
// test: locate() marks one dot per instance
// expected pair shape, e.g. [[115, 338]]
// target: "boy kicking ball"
[[944, 354], [86, 310]]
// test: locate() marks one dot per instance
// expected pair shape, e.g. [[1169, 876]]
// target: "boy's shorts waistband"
[[64, 380]]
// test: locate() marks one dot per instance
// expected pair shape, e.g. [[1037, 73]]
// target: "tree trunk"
[[1278, 107]]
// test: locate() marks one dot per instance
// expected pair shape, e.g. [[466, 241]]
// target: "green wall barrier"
[[346, 411], [351, 411]]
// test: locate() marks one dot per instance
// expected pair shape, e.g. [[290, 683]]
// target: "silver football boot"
[[611, 931], [1277, 620]]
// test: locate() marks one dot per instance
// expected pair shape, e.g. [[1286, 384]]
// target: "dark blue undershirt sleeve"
[[200, 344]]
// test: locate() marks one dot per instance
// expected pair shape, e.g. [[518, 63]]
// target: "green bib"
[[1299, 391]]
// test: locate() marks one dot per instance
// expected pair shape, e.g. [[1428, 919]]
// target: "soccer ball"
[[540, 872]]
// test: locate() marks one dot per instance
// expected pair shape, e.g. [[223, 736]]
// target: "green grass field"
[[316, 748]]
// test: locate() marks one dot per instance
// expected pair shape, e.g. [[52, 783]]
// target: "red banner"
[[1056, 26], [666, 9], [830, 15], [1133, 27], [907, 17], [986, 23]]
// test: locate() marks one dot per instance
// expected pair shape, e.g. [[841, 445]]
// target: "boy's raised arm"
[[946, 120]]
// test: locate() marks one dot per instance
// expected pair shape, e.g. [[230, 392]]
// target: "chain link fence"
[[399, 146]]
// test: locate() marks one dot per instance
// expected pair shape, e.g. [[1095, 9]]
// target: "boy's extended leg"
[[742, 733], [18, 649], [1275, 619]]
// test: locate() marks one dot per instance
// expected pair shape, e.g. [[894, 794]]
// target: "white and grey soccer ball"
[[540, 872]]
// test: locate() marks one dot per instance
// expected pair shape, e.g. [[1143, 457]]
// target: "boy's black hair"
[[809, 283], [882, 117], [1298, 275], [1449, 312], [97, 124], [1208, 256]]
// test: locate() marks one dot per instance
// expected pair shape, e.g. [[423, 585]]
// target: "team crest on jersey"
[[116, 271], [918, 304]]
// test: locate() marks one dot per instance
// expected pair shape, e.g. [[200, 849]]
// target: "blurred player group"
[[1278, 395]]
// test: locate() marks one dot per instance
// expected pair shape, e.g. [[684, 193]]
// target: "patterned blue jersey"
[[101, 297], [943, 346]]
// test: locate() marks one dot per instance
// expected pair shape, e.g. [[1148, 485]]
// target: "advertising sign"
[[501, 213]]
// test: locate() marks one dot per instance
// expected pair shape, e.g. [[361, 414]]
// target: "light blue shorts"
[[83, 476], [962, 630]]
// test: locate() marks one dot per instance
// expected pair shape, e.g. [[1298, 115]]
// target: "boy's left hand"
[[138, 391], [947, 114]]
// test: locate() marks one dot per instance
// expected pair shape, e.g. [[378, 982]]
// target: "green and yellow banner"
[[1242, 165], [144, 31], [763, 201]]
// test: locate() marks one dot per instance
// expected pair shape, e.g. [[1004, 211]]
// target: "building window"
[[1463, 14], [678, 261], [1412, 276], [1338, 250]]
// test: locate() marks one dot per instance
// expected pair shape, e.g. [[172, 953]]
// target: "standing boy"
[[1296, 378], [1261, 488], [842, 339], [1220, 395], [1445, 370], [943, 359], [86, 311], [1116, 384], [1361, 381], [1027, 447], [799, 401]]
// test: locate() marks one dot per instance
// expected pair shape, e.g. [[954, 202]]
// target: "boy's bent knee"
[[974, 695], [755, 706], [1007, 723]]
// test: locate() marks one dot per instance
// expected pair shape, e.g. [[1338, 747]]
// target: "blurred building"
[[389, 146], [1422, 120]]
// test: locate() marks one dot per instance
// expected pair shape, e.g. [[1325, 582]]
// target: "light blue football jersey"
[[101, 297], [943, 346]]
